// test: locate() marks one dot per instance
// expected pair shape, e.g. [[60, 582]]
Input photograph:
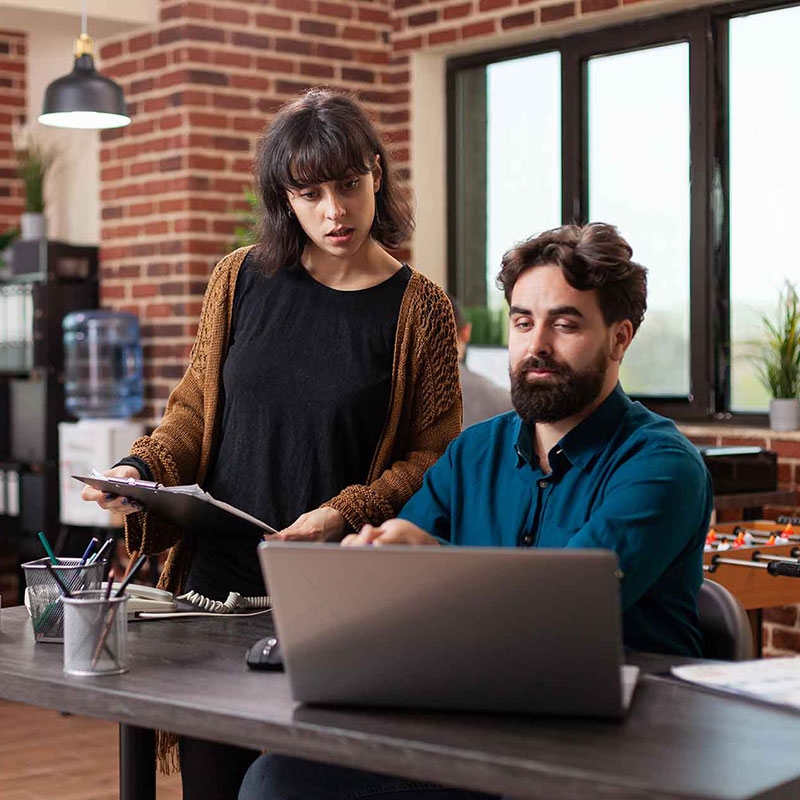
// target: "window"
[[764, 175], [678, 131], [639, 138]]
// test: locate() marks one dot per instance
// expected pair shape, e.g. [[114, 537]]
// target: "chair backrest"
[[723, 624]]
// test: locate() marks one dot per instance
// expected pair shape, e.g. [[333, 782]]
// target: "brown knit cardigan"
[[424, 416]]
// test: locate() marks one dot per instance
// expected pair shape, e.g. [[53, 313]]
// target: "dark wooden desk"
[[190, 677]]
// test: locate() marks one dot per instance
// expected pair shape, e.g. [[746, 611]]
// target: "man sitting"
[[481, 398], [576, 464]]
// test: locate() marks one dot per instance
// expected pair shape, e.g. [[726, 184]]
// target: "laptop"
[[456, 628]]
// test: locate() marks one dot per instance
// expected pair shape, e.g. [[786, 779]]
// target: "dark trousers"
[[283, 778], [212, 771]]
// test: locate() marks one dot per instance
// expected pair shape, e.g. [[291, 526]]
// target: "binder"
[[188, 507]]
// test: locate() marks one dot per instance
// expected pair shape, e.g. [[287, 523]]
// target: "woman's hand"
[[320, 525], [112, 502], [393, 531]]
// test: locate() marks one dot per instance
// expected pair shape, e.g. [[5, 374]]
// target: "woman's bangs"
[[324, 158]]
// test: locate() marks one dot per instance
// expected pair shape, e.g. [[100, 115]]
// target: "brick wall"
[[427, 23], [201, 85], [200, 88], [12, 111]]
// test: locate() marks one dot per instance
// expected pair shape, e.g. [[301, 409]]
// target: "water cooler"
[[103, 389]]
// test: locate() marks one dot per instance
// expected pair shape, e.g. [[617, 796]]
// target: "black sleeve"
[[137, 463]]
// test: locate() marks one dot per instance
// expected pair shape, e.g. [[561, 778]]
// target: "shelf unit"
[[48, 279]]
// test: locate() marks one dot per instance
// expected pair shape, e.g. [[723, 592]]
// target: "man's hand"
[[320, 525], [393, 531], [113, 502]]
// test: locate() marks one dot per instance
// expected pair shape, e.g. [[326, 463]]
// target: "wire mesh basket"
[[95, 634], [42, 593]]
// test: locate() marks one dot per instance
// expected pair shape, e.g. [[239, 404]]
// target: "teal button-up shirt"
[[623, 479]]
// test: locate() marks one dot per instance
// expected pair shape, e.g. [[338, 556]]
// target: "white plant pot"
[[33, 226], [784, 414]]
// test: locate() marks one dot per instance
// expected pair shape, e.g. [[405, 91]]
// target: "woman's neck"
[[370, 265]]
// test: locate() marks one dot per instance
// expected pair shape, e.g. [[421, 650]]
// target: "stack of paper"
[[774, 680]]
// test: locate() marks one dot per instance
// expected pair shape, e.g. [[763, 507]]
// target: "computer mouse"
[[265, 654]]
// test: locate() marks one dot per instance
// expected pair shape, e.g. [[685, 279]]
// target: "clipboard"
[[189, 507]]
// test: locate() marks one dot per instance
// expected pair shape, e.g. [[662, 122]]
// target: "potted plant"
[[778, 365], [33, 161]]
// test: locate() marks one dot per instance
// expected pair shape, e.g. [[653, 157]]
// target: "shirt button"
[[542, 484], [527, 540]]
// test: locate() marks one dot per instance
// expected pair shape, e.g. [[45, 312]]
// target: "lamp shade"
[[84, 99]]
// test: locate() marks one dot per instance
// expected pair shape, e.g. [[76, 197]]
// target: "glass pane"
[[523, 155], [764, 176], [639, 181]]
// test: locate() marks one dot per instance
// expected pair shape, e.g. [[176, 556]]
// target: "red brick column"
[[200, 88], [12, 111]]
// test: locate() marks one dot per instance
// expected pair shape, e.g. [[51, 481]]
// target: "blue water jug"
[[102, 364]]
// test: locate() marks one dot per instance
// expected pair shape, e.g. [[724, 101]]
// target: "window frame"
[[706, 31]]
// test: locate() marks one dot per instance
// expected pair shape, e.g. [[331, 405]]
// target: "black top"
[[305, 395]]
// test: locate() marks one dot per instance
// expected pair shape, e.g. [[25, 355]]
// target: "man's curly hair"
[[592, 256]]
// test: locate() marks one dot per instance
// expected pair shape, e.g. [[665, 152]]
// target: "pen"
[[50, 554], [86, 553], [102, 551]]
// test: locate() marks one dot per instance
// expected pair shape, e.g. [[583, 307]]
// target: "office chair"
[[723, 624]]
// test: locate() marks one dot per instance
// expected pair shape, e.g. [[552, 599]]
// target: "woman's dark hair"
[[323, 136], [592, 256]]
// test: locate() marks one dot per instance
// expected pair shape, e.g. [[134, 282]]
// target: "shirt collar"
[[586, 440]]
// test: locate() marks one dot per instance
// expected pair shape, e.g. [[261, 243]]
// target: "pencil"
[[130, 574], [45, 617], [101, 642], [50, 554], [134, 557]]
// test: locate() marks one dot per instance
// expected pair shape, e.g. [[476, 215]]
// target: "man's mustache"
[[539, 362]]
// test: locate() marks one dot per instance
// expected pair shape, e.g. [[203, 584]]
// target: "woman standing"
[[323, 381]]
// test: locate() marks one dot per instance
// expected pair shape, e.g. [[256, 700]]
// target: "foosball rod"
[[773, 567], [792, 558]]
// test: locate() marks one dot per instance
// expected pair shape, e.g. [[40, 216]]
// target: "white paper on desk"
[[775, 680]]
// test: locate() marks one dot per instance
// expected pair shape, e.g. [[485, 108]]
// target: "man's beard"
[[562, 395]]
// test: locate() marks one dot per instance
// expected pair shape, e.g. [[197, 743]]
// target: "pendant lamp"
[[84, 98]]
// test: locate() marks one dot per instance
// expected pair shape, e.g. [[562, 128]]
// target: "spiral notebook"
[[189, 507]]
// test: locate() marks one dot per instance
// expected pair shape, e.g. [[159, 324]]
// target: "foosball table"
[[758, 561]]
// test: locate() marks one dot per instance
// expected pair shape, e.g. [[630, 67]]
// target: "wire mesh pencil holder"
[[95, 633], [42, 593]]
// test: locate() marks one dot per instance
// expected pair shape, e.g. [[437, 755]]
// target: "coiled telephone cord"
[[235, 602]]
